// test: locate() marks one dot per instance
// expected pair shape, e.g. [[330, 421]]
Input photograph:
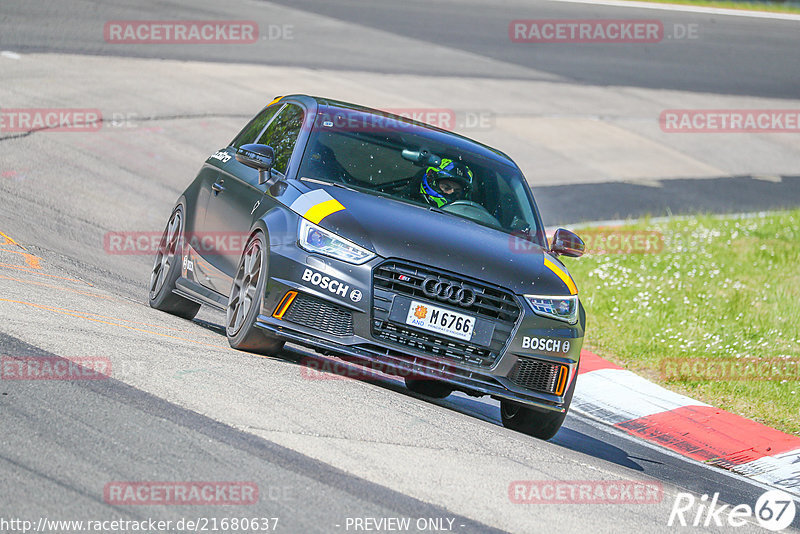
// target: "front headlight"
[[316, 239], [561, 308]]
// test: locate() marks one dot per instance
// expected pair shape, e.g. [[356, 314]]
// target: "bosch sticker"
[[331, 284], [546, 344]]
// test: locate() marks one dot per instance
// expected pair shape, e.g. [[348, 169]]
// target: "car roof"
[[444, 136]]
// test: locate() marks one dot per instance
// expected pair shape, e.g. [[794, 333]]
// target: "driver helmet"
[[445, 183]]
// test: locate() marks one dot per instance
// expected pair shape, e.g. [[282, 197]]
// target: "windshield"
[[383, 156]]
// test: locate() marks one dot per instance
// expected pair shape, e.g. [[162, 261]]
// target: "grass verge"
[[772, 7], [713, 314]]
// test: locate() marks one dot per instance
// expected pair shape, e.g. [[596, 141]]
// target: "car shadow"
[[576, 440], [577, 434], [208, 325]]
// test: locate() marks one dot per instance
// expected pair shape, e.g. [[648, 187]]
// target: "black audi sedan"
[[384, 241]]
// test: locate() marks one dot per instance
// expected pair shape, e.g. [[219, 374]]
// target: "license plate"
[[440, 320]]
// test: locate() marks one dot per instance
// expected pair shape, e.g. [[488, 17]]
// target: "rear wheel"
[[536, 423], [166, 270], [244, 301], [429, 388]]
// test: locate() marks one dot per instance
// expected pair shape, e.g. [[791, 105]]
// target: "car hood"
[[393, 229]]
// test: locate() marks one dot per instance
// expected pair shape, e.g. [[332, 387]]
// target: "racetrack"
[[184, 406]]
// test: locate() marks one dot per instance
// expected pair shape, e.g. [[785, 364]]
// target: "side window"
[[251, 131], [282, 134]]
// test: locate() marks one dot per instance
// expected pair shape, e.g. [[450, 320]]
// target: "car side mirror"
[[259, 157], [566, 243]]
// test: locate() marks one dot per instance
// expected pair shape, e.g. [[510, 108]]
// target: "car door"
[[220, 189], [236, 193]]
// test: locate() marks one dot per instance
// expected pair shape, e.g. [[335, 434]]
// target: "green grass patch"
[[722, 291], [774, 7]]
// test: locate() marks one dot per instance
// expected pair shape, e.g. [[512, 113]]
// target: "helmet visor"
[[450, 189]]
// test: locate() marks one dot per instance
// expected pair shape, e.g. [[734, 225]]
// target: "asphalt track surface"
[[730, 55], [182, 406]]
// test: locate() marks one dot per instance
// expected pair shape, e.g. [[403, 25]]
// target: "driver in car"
[[446, 183]]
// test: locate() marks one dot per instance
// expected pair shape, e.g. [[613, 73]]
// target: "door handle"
[[218, 187]]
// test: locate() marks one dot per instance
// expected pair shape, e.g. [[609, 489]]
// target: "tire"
[[539, 424], [166, 270], [244, 301], [429, 388]]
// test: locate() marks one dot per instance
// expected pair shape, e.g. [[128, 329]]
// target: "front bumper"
[[330, 290]]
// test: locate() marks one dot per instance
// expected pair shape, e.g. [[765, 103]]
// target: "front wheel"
[[244, 301], [539, 424]]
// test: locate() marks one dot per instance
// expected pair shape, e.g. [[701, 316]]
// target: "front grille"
[[320, 315], [432, 344], [407, 364], [535, 374], [395, 277], [490, 302]]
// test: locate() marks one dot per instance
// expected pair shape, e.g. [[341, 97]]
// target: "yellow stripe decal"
[[573, 290], [278, 98], [319, 211]]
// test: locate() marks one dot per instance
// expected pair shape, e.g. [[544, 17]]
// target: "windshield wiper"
[[340, 184]]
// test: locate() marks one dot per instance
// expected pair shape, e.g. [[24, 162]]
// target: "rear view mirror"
[[259, 157], [566, 243], [421, 157]]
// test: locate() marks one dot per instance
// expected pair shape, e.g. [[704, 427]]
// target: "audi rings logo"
[[447, 291]]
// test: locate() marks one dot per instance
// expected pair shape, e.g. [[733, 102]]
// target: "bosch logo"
[[447, 291]]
